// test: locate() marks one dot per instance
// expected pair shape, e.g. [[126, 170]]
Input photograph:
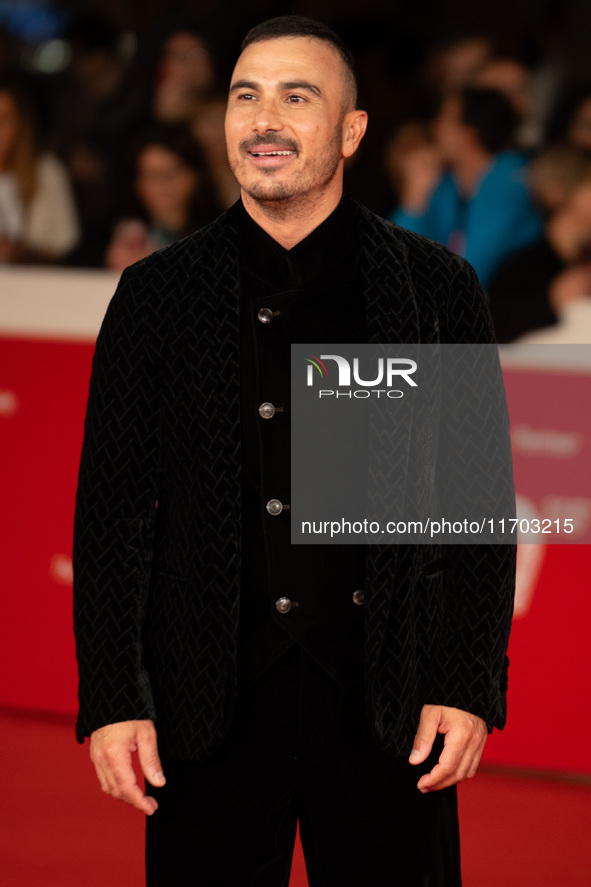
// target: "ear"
[[354, 126]]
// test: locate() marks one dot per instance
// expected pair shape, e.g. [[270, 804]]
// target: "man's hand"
[[111, 748], [465, 735]]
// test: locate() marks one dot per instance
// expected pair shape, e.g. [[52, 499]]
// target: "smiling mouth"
[[271, 153]]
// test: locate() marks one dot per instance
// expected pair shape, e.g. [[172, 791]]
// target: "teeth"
[[271, 153]]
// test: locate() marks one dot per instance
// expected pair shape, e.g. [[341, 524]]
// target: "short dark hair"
[[492, 115], [302, 26]]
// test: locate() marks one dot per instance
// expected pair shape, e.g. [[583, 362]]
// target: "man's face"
[[284, 122]]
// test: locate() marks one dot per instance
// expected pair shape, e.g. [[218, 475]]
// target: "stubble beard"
[[294, 198]]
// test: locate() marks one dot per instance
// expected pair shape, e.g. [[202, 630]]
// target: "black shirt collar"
[[315, 255]]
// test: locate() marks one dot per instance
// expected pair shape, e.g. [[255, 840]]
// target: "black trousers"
[[300, 749]]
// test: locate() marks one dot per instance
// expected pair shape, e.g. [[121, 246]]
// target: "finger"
[[111, 750], [475, 762], [102, 779], [454, 762], [441, 777], [149, 758], [113, 760], [454, 749], [114, 785], [114, 763], [425, 735], [126, 789], [103, 770], [132, 794]]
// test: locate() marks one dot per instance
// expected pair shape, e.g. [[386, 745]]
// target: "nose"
[[267, 117]]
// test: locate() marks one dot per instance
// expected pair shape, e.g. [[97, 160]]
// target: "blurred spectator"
[[509, 76], [520, 292], [411, 145], [37, 214], [468, 190], [183, 89], [185, 77], [92, 108], [579, 129], [175, 71], [571, 122], [570, 297], [208, 131], [453, 64], [173, 197], [554, 173], [515, 80]]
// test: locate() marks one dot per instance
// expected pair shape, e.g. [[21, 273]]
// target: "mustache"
[[270, 139]]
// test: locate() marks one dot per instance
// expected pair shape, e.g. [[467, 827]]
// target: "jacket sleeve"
[[470, 669], [115, 511]]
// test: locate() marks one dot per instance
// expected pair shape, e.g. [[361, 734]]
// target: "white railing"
[[54, 303]]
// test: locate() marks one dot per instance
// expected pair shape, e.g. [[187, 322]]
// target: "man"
[[193, 611], [481, 206]]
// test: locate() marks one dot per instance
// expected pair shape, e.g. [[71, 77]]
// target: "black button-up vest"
[[306, 595]]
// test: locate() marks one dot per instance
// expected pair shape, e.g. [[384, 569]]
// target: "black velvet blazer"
[[157, 525]]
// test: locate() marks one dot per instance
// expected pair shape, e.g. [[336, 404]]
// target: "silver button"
[[266, 410], [274, 506], [265, 315], [283, 605], [359, 596]]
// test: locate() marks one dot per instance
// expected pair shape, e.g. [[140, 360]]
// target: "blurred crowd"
[[120, 151]]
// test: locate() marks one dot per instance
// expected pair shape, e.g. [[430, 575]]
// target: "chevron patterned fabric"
[[157, 525]]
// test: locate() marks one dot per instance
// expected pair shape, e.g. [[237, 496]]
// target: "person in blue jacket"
[[469, 189]]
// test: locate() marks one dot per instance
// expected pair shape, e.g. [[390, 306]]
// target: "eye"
[[295, 99], [245, 96]]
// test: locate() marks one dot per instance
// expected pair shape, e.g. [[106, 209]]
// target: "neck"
[[289, 221], [470, 169]]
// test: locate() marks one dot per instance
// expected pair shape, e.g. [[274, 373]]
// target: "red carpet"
[[57, 829]]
